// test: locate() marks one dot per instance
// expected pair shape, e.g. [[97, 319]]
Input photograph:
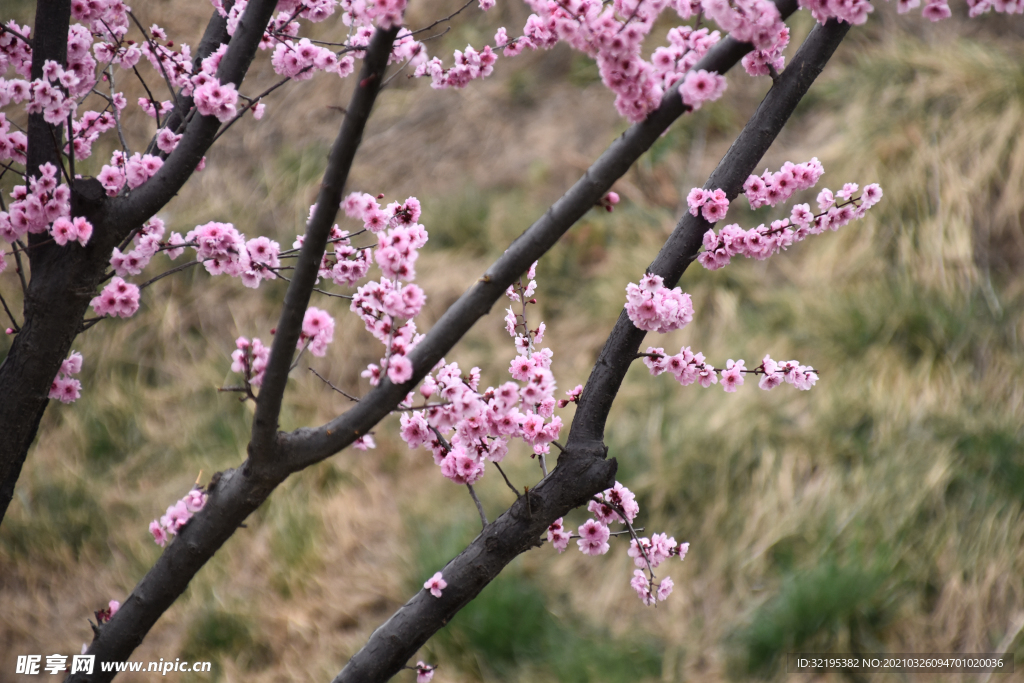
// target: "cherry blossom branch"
[[309, 446], [152, 195], [238, 493], [505, 477], [479, 505], [583, 469], [263, 445], [684, 243], [443, 20], [38, 350], [10, 315], [580, 472], [215, 35], [155, 49]]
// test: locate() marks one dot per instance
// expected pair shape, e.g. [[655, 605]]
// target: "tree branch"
[[35, 354], [684, 243], [308, 446], [263, 445], [239, 492], [123, 213], [582, 470]]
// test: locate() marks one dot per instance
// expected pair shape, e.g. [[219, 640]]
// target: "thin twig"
[[252, 103], [9, 314], [479, 506], [172, 271], [20, 268], [8, 29], [116, 113], [154, 47], [441, 21], [328, 383], [505, 477], [277, 272]]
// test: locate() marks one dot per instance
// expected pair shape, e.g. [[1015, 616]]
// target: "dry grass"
[[880, 511]]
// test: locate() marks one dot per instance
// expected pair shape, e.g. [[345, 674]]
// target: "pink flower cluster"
[[177, 516], [408, 49], [472, 427], [43, 205], [701, 86], [851, 11], [301, 60], [384, 13], [655, 550], [643, 588], [978, 7], [469, 66], [213, 98], [775, 188], [14, 52], [223, 249], [761, 242], [118, 298], [132, 171], [655, 308], [13, 144], [435, 584], [573, 396], [593, 538], [688, 367], [425, 672], [618, 504], [106, 614], [757, 62], [317, 331], [387, 306], [757, 22], [85, 131], [76, 229], [147, 242], [65, 388], [608, 503], [712, 204], [614, 35], [250, 359], [685, 48]]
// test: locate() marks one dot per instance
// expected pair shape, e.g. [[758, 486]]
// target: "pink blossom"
[[425, 672], [214, 99], [118, 298], [435, 584], [72, 365], [399, 369], [593, 538], [364, 443], [558, 535], [701, 86], [665, 588], [732, 377], [194, 500], [655, 308], [65, 389], [159, 533], [642, 587], [317, 331]]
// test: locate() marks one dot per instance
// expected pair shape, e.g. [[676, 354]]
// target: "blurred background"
[[879, 512]]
